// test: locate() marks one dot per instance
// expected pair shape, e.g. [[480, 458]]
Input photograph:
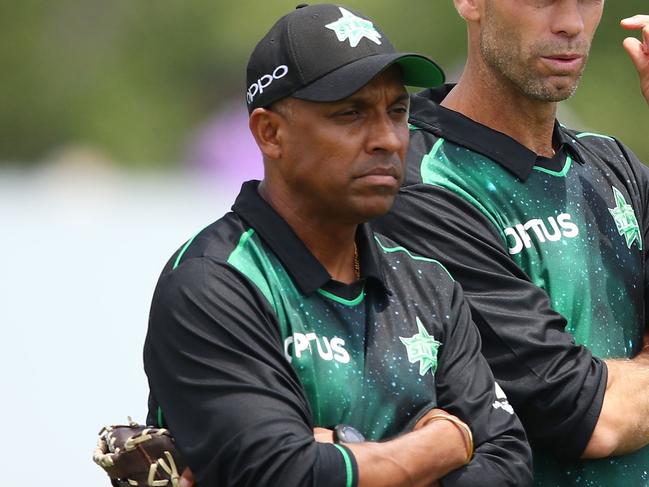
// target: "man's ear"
[[469, 10], [265, 127]]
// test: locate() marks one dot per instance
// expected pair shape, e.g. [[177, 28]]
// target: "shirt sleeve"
[[640, 177], [216, 367], [467, 389], [555, 386]]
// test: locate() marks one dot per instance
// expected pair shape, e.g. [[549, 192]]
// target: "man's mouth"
[[382, 171], [381, 175], [564, 63]]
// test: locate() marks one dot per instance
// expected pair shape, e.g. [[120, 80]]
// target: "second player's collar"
[[427, 114], [308, 273]]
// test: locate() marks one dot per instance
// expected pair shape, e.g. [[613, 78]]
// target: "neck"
[[496, 103], [332, 243]]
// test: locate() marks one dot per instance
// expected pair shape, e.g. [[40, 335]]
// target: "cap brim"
[[417, 71]]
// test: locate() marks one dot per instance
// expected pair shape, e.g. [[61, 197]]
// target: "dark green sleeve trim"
[[349, 465], [161, 421]]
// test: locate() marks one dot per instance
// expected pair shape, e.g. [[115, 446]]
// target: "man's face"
[[539, 46], [344, 160]]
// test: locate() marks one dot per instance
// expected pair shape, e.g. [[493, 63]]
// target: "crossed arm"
[[400, 461], [216, 366], [622, 426]]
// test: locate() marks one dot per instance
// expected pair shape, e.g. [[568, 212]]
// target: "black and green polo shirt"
[[251, 345], [551, 255]]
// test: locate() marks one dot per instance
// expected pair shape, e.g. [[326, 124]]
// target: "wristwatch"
[[343, 433]]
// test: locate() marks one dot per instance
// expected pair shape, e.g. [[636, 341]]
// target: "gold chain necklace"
[[357, 264]]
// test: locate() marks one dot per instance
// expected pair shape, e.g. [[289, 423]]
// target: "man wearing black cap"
[[286, 339], [546, 228]]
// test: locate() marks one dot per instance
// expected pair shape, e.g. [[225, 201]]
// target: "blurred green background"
[[92, 93], [134, 78]]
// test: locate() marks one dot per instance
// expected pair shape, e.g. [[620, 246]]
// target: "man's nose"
[[384, 135], [569, 19]]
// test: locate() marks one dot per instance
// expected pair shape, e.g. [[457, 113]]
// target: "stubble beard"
[[504, 57]]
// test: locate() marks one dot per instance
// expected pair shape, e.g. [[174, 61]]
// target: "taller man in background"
[[547, 231]]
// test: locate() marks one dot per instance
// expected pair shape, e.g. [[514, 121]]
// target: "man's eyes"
[[400, 110], [349, 114]]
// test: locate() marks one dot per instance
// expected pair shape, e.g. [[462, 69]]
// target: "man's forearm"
[[623, 424], [419, 458]]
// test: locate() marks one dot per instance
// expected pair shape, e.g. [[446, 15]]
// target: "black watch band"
[[343, 433]]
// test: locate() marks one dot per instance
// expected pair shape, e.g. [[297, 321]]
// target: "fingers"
[[638, 49], [187, 478], [425, 418], [463, 428], [639, 22], [323, 435], [635, 22]]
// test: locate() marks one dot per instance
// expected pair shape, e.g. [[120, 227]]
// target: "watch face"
[[344, 433]]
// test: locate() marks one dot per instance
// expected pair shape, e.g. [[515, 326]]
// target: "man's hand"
[[323, 435], [462, 428], [444, 436], [187, 478], [638, 50]]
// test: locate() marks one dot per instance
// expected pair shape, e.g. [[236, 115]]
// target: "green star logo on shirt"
[[422, 348], [625, 220], [354, 28]]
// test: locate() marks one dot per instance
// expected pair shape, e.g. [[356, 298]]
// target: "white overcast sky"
[[81, 252]]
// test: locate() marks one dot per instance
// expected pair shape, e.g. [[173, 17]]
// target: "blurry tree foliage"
[[134, 77]]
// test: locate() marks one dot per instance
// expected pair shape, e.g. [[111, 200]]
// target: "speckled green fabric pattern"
[[572, 232], [560, 231], [331, 344]]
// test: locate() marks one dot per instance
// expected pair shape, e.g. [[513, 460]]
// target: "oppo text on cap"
[[258, 87]]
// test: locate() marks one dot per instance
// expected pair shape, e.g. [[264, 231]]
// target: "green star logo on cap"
[[625, 220], [422, 348], [354, 28]]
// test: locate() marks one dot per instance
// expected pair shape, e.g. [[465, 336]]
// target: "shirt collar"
[[307, 272], [428, 114]]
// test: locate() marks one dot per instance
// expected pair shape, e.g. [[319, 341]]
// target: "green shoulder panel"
[[390, 248], [472, 176], [251, 259]]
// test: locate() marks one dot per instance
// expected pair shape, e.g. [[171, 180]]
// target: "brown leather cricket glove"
[[136, 455]]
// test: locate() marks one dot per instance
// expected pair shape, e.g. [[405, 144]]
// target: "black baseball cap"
[[325, 53]]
